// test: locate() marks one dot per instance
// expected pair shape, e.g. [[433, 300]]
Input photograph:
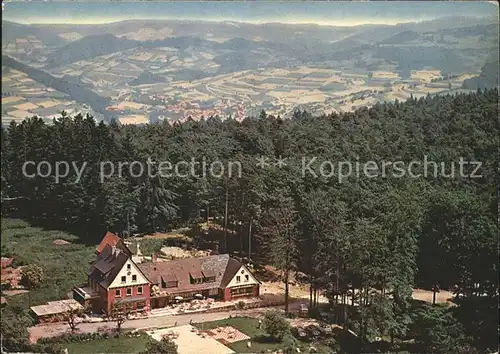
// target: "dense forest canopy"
[[349, 237]]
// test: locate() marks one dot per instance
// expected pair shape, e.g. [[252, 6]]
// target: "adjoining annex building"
[[114, 276]]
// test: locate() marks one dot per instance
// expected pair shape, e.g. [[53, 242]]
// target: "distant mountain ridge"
[[270, 31], [89, 47], [401, 37], [13, 30]]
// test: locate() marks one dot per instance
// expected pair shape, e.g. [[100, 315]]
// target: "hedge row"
[[86, 337]]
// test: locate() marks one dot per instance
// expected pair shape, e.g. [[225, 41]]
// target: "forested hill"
[[357, 233], [488, 78]]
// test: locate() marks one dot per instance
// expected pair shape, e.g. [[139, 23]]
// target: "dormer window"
[[196, 280], [209, 279]]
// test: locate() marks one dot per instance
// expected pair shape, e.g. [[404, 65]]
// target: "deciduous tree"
[[276, 325], [163, 346], [119, 313], [32, 276]]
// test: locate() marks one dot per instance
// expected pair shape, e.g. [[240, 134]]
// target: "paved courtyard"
[[189, 340]]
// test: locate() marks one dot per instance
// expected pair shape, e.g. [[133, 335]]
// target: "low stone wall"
[[252, 305]]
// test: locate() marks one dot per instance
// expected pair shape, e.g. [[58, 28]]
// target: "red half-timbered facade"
[[115, 278]]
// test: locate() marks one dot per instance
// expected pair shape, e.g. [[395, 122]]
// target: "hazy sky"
[[323, 13]]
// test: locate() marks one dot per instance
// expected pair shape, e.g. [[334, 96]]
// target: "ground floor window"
[[242, 291], [191, 294]]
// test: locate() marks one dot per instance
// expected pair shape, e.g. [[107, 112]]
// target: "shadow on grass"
[[87, 234], [264, 339], [347, 341]]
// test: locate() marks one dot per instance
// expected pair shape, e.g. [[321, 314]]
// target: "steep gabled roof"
[[233, 266], [107, 265], [112, 240]]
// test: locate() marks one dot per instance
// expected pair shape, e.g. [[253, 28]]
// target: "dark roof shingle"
[[107, 265], [232, 268], [222, 267]]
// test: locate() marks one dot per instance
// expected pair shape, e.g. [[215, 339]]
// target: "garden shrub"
[[86, 337]]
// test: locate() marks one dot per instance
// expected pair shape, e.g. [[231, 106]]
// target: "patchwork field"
[[20, 114], [134, 119], [26, 106], [12, 99], [23, 97], [49, 103], [425, 75], [128, 104]]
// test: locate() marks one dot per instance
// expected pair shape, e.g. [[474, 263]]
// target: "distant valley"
[[144, 71]]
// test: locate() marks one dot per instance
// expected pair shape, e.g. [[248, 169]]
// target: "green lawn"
[[259, 338], [64, 266], [110, 345]]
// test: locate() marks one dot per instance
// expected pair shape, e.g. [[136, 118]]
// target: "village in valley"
[[238, 95], [148, 71]]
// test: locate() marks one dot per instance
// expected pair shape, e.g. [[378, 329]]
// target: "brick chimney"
[[154, 258]]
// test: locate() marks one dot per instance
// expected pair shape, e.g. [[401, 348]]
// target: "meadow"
[[110, 345], [63, 265]]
